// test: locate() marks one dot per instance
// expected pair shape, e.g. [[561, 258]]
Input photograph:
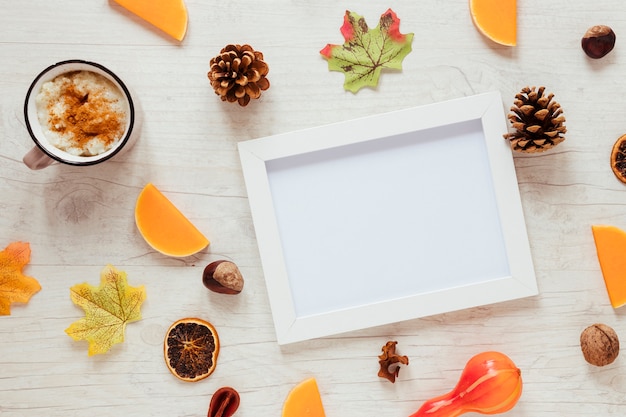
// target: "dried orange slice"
[[618, 158], [191, 347]]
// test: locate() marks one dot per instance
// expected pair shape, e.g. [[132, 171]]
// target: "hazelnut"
[[223, 277], [598, 41], [600, 344]]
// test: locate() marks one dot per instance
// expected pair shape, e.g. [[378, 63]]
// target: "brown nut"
[[224, 402], [223, 277], [598, 41], [600, 344]]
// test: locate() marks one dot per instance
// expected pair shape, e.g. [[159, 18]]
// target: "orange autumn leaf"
[[15, 287]]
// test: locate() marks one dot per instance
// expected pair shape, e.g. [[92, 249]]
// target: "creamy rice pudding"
[[82, 113]]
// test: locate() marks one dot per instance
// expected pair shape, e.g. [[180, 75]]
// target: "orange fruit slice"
[[496, 19], [164, 227], [304, 400], [618, 158], [168, 15], [611, 248], [191, 348]]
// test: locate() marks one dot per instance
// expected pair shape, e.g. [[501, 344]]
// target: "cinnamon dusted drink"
[[79, 113], [82, 113]]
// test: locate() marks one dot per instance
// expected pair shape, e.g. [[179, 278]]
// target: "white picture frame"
[[388, 218]]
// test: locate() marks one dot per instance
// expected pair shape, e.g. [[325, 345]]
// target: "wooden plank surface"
[[78, 220]]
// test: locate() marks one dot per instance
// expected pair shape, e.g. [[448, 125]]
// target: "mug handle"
[[36, 159]]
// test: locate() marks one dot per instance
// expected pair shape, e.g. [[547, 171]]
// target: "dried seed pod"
[[600, 344]]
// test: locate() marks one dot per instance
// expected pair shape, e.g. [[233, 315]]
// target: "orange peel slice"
[[611, 246], [304, 400], [496, 19], [164, 227], [168, 15]]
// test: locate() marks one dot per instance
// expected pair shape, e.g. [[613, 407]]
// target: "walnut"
[[600, 344], [390, 362]]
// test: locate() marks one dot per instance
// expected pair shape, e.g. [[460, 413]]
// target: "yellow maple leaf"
[[108, 308], [15, 287]]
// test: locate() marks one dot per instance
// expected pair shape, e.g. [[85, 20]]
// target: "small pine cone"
[[538, 121], [238, 74]]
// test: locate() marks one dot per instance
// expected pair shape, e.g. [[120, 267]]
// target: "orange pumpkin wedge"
[[304, 400], [496, 19], [164, 227], [168, 15], [611, 248]]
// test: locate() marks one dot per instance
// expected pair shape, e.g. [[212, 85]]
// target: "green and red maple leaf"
[[366, 52]]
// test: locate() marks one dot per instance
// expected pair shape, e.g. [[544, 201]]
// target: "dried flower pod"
[[238, 74], [390, 362], [600, 344]]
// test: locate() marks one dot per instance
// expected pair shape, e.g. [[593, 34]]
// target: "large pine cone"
[[538, 121], [238, 74]]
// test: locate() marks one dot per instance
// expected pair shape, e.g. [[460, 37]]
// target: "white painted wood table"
[[78, 220]]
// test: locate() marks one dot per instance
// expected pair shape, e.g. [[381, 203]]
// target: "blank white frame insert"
[[388, 218]]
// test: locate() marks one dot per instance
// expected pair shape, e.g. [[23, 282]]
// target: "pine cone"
[[537, 120], [238, 74]]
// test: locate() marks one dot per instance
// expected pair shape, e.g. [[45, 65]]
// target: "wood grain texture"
[[79, 220]]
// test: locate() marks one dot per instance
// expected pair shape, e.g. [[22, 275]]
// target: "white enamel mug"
[[45, 153]]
